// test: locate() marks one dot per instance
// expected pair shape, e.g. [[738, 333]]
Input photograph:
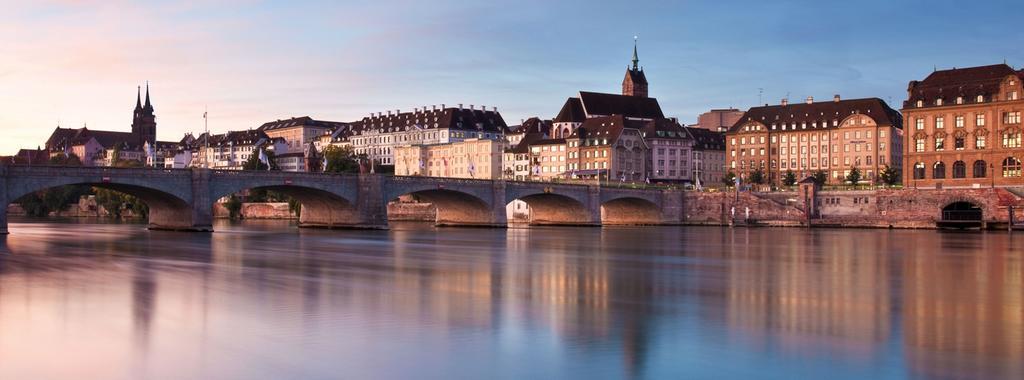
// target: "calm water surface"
[[266, 300]]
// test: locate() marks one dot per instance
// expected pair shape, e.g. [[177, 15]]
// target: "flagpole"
[[206, 142]]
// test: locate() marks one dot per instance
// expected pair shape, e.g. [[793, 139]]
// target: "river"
[[265, 300]]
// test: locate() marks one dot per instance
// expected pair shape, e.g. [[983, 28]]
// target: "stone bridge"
[[182, 199]]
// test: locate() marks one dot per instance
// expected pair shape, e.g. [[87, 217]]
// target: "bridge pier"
[[196, 215], [3, 200], [594, 205]]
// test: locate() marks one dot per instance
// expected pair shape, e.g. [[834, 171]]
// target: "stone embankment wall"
[[269, 210], [907, 208], [723, 208]]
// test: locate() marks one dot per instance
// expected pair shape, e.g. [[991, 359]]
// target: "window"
[[939, 170], [940, 122], [940, 144], [938, 101], [979, 169], [920, 103], [919, 145], [958, 142], [919, 170], [959, 169], [1011, 167], [1011, 139], [979, 120], [980, 99], [1011, 117], [959, 100], [979, 142], [918, 123], [959, 121]]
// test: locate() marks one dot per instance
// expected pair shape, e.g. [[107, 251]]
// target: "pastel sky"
[[79, 62]]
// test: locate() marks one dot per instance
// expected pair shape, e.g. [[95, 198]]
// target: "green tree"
[[234, 206], [729, 179], [820, 177], [43, 202], [854, 176], [129, 164], [116, 203], [341, 160], [294, 206], [789, 179], [756, 176], [889, 176], [253, 163], [70, 160]]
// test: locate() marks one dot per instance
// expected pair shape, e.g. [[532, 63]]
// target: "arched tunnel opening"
[[549, 209], [108, 200], [448, 207], [630, 212], [312, 207]]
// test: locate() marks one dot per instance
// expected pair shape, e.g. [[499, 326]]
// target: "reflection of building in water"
[[802, 287], [963, 315], [552, 281]]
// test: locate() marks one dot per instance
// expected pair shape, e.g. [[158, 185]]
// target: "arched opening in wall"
[[961, 211], [548, 209], [961, 215], [448, 207], [106, 200], [630, 211], [310, 206]]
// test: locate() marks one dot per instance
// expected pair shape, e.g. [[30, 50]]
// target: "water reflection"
[[262, 300]]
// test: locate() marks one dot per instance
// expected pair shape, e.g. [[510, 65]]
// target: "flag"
[[472, 169], [698, 183], [323, 168], [264, 159], [647, 179], [204, 114]]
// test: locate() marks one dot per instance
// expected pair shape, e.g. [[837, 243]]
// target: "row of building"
[[963, 129]]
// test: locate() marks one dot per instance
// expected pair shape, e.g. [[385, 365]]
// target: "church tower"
[[635, 82], [144, 121]]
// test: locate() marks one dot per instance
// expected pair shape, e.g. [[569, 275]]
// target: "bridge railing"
[[89, 170]]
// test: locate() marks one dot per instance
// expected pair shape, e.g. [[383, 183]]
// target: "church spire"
[[138, 98], [636, 60], [148, 105]]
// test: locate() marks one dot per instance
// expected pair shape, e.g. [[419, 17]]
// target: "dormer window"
[[938, 101], [920, 103], [959, 100], [980, 99]]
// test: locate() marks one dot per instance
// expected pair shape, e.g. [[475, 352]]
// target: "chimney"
[[835, 98], [470, 106], [785, 101], [397, 112], [442, 106], [810, 100], [433, 107], [416, 110], [460, 106], [495, 109], [389, 113]]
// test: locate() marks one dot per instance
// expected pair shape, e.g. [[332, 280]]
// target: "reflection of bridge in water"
[[183, 199]]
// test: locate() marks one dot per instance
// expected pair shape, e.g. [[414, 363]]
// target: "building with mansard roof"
[[376, 135], [831, 136], [963, 128]]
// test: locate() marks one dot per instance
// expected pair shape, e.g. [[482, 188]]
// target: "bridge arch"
[[327, 201], [457, 202], [557, 209], [168, 198], [630, 210]]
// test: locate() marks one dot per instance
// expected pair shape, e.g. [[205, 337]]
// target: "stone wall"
[[721, 208], [270, 210], [908, 208]]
